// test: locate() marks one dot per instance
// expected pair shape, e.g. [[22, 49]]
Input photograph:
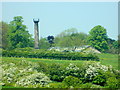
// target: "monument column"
[[36, 34]]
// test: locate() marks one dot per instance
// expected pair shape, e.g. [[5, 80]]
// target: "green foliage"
[[112, 82], [4, 27], [113, 46], [70, 38], [98, 38], [18, 35], [25, 49], [38, 79], [44, 44], [74, 70], [42, 67], [98, 74], [49, 54], [72, 81], [24, 74], [99, 79], [56, 72]]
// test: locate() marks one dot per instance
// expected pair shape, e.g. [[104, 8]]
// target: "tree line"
[[16, 35]]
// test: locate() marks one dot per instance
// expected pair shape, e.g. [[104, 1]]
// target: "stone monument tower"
[[36, 33]]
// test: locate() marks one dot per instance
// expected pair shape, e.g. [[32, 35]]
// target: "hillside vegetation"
[[60, 73]]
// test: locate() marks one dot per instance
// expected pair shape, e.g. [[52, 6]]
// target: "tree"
[[119, 41], [67, 32], [113, 46], [18, 35], [44, 44], [71, 38], [50, 40], [3, 34], [98, 38]]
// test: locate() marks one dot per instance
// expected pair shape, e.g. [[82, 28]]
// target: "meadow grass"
[[105, 59], [109, 59]]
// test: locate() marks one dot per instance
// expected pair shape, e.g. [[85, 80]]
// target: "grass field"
[[105, 59]]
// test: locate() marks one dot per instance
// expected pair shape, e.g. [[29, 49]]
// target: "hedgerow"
[[33, 53]]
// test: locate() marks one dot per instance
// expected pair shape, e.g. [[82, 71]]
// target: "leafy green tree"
[[3, 34], [70, 38], [79, 39], [113, 46], [44, 44], [18, 35], [50, 40], [119, 41], [98, 38], [67, 32]]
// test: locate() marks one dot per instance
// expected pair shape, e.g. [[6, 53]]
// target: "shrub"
[[9, 75], [93, 68], [99, 80], [112, 82], [33, 53], [72, 81], [56, 72], [23, 74], [33, 79], [74, 70], [25, 49], [98, 73], [42, 67]]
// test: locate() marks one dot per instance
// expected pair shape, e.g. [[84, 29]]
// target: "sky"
[[55, 17]]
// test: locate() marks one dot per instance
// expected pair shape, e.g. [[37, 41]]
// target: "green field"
[[105, 59]]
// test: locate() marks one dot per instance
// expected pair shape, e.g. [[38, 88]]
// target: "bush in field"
[[23, 74], [33, 53], [72, 81], [92, 69], [98, 74], [112, 82], [74, 70], [56, 72], [42, 67], [99, 80], [38, 79], [9, 74]]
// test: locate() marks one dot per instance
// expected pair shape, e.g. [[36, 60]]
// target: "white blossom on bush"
[[9, 75], [23, 71], [72, 67], [93, 68], [33, 79]]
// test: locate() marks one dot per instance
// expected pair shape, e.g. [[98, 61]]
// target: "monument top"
[[36, 20]]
